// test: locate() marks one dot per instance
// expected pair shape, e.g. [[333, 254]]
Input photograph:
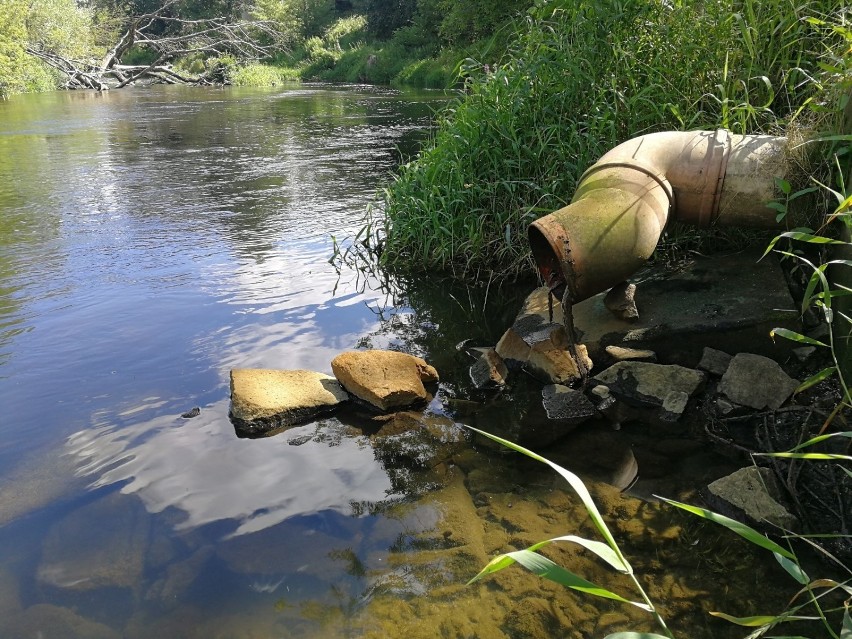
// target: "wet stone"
[[648, 385], [384, 379], [263, 400], [489, 371], [757, 382], [752, 494], [565, 404], [714, 362], [620, 300]]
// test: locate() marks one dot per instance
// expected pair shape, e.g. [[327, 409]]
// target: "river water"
[[154, 239]]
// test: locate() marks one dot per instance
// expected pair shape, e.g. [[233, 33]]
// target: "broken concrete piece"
[[566, 404], [757, 382], [551, 362], [265, 399], [622, 354], [674, 403], [648, 385], [489, 370], [621, 302], [755, 493], [714, 362], [541, 348], [384, 379]]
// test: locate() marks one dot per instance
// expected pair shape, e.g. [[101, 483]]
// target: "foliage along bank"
[[580, 78]]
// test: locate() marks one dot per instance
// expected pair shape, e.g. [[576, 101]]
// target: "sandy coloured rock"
[[266, 399], [385, 379]]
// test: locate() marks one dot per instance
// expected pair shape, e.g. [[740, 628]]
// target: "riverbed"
[[154, 239]]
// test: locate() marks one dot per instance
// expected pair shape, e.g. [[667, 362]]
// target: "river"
[[154, 239]]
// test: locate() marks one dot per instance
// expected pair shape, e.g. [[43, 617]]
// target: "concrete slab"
[[727, 302]]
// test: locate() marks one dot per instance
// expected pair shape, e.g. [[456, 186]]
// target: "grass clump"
[[262, 75], [580, 78]]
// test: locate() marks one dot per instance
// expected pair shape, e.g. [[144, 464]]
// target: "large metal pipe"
[[624, 201]]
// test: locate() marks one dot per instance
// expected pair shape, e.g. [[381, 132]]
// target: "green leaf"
[[821, 438], [801, 237], [795, 337], [761, 620], [825, 373], [784, 185], [793, 568], [547, 569], [810, 456], [777, 206], [746, 532], [846, 629], [579, 487]]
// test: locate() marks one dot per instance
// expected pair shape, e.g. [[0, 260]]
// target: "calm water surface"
[[150, 241]]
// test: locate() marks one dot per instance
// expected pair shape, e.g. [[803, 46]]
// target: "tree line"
[[98, 44]]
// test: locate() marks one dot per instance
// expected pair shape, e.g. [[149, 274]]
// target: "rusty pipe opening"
[[623, 203]]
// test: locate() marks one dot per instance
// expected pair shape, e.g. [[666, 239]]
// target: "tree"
[[165, 35]]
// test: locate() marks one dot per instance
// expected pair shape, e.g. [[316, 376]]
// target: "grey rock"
[[565, 404], [714, 362], [384, 379], [757, 382], [674, 404], [754, 492], [621, 302], [263, 400], [179, 577], [489, 370], [648, 385]]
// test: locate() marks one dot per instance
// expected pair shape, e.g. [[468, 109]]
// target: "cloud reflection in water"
[[199, 467]]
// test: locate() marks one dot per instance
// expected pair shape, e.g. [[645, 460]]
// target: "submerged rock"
[[752, 494], [649, 385], [100, 545], [46, 621], [757, 382], [384, 379], [567, 405], [265, 399]]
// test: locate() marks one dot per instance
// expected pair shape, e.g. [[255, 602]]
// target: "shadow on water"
[[154, 239]]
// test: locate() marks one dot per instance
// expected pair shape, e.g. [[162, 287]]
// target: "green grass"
[[580, 78]]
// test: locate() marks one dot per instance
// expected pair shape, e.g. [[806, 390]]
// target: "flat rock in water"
[[650, 385], [757, 382], [729, 303], [753, 492], [384, 379], [566, 404], [263, 400]]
